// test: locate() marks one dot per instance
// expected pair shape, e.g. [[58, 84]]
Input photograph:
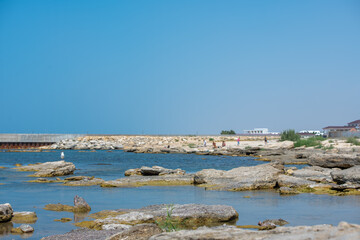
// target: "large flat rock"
[[262, 176], [319, 232], [138, 181], [334, 160], [49, 169]]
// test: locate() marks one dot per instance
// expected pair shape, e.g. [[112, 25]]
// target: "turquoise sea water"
[[303, 209]]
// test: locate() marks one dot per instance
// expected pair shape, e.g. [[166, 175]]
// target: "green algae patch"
[[147, 183], [328, 191], [89, 224], [24, 217], [16, 230], [106, 213], [2, 167], [45, 180], [63, 220], [65, 208]]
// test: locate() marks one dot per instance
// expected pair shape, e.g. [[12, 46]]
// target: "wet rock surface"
[[49, 169]]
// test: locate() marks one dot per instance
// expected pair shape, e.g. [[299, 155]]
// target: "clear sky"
[[177, 67]]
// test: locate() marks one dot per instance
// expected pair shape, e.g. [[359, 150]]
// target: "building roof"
[[338, 127], [354, 122]]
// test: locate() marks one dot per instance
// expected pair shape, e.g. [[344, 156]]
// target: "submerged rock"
[[24, 217], [49, 169], [6, 212]]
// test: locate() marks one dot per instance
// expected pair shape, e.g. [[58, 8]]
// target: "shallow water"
[[303, 209]]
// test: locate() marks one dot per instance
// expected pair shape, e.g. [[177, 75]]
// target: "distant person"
[[238, 140], [265, 140], [204, 142], [214, 144], [223, 144], [62, 155]]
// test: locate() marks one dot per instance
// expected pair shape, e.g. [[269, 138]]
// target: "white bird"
[[62, 155]]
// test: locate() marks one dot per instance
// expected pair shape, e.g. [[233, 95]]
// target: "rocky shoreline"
[[334, 171]]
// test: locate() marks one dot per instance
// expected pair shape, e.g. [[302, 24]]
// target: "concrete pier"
[[14, 141]]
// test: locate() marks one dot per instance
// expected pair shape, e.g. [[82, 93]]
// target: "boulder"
[[81, 205], [351, 175], [49, 169], [319, 232], [314, 173], [262, 176], [26, 228], [293, 182], [6, 212], [334, 160]]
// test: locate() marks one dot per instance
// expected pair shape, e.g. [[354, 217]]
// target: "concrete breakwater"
[[13, 141]]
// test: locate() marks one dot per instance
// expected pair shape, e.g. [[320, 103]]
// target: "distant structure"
[[256, 131], [352, 129], [315, 132]]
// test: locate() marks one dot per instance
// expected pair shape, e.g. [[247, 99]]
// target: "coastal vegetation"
[[310, 142], [169, 224], [353, 141], [227, 132], [289, 135]]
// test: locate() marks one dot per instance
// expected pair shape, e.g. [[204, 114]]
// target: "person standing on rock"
[[214, 144], [223, 144], [204, 142], [62, 155], [265, 140], [238, 140]]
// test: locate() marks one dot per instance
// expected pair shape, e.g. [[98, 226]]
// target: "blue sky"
[[177, 67]]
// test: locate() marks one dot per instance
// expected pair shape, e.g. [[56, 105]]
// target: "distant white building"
[[259, 131], [315, 132]]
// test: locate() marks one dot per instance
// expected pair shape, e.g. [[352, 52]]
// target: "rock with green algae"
[[80, 205], [63, 220], [138, 181], [24, 217]]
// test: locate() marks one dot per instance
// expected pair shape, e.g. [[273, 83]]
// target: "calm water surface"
[[303, 209]]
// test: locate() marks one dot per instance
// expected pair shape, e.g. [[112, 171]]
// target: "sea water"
[[252, 206]]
